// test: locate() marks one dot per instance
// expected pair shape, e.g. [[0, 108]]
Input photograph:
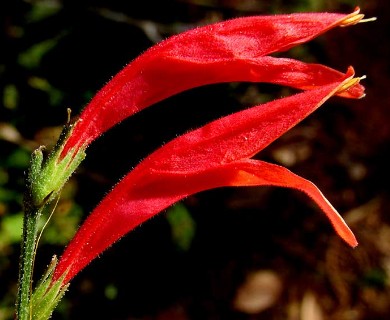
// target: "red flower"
[[219, 153], [228, 51]]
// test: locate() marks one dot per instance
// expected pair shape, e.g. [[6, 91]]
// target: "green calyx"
[[47, 175], [47, 294]]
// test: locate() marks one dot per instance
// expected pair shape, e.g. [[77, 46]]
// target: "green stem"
[[31, 217]]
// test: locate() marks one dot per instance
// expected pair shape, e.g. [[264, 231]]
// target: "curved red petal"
[[190, 164], [222, 52]]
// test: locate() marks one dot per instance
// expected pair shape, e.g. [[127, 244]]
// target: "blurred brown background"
[[231, 253]]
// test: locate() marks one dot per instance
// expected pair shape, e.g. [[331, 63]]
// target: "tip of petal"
[[351, 240], [343, 230], [355, 18]]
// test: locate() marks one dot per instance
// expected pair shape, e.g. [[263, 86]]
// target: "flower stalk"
[[30, 222]]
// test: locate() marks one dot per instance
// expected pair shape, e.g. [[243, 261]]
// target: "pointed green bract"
[[47, 295], [47, 176]]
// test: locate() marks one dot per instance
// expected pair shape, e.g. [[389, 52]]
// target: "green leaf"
[[11, 228], [10, 97], [32, 57], [18, 159], [182, 225]]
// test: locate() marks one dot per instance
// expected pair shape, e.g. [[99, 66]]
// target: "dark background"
[[56, 54]]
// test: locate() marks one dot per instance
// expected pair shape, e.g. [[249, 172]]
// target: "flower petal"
[[222, 52], [256, 173], [209, 157], [242, 134]]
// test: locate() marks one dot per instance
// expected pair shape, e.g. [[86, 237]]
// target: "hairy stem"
[[30, 223]]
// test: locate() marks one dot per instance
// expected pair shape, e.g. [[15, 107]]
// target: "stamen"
[[367, 20], [350, 83], [354, 18]]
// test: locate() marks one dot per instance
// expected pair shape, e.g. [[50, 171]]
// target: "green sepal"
[[43, 284], [36, 163], [47, 294], [47, 175]]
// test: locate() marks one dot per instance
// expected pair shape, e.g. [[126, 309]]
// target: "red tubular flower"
[[233, 50], [215, 155], [218, 154]]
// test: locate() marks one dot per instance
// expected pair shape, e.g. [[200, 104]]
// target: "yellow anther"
[[354, 18], [368, 20], [350, 83]]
